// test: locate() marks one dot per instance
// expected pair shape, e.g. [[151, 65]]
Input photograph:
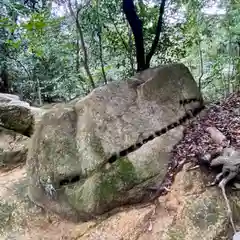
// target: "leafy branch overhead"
[[57, 50]]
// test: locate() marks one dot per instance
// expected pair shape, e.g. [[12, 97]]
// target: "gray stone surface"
[[74, 142]]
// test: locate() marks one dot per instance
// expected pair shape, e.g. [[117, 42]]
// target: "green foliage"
[[42, 55], [212, 46]]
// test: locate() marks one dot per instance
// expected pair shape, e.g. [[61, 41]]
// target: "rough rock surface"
[[192, 211], [13, 149], [16, 114], [17, 120], [189, 211], [72, 145], [37, 113], [5, 97], [11, 99]]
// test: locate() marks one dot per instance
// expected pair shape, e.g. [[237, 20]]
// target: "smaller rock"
[[19, 103], [16, 114], [216, 135], [4, 97], [126, 224], [17, 118], [11, 99], [13, 148]]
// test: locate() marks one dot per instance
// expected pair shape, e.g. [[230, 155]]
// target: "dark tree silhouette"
[[4, 84], [136, 26], [137, 29]]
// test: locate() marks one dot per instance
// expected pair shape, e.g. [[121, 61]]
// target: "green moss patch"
[[119, 178], [175, 234]]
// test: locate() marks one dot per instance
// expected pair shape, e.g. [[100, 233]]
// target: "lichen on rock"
[[106, 149]]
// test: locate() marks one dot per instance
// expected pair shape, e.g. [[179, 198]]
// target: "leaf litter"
[[225, 116]]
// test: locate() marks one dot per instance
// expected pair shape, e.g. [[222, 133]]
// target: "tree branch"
[[17, 61], [85, 61], [114, 24], [201, 65], [100, 44], [136, 26], [128, 49], [158, 31]]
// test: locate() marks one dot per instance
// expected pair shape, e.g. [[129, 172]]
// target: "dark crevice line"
[[69, 180], [134, 147], [191, 113], [189, 100]]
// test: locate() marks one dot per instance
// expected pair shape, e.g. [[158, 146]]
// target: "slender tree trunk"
[[101, 59], [77, 53], [100, 44], [201, 65], [158, 31], [137, 29], [4, 88], [85, 59], [4, 80], [130, 43], [39, 92]]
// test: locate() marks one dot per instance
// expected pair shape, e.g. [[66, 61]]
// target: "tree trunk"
[[85, 60], [130, 43], [4, 86], [201, 64], [77, 53], [158, 31], [100, 44], [136, 26], [137, 29], [39, 92]]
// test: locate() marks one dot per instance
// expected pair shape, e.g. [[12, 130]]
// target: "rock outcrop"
[[17, 120], [108, 148], [189, 211], [16, 114]]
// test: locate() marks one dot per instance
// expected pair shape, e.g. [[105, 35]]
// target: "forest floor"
[[130, 223]]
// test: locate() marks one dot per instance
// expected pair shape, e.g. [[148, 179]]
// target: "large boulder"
[[16, 114], [108, 148]]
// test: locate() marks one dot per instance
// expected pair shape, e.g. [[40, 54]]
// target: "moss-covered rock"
[[17, 118], [73, 143], [193, 211]]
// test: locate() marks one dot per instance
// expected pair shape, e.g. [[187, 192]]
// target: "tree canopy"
[[55, 50]]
